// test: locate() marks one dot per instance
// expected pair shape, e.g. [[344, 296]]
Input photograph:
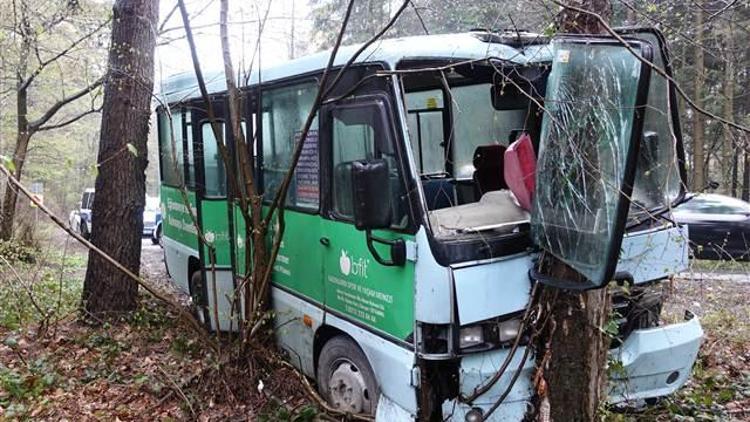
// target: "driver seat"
[[488, 169]]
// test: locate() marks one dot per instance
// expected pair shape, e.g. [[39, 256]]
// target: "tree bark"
[[23, 132], [727, 146], [746, 172], [699, 172], [572, 348], [121, 182], [23, 136]]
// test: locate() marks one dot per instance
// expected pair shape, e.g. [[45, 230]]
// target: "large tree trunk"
[[572, 348], [699, 172], [120, 184]]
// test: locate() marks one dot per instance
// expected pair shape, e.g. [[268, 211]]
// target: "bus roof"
[[463, 46]]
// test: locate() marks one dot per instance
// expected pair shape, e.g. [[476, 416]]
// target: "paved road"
[[715, 276]]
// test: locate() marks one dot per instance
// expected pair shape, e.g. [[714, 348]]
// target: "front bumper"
[[653, 362]]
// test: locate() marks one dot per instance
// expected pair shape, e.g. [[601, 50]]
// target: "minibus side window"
[[213, 167], [190, 179], [360, 134], [171, 159], [425, 122], [284, 112]]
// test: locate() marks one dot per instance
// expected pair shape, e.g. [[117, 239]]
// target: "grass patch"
[[729, 266]]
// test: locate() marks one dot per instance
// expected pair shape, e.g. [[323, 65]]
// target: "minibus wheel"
[[345, 377], [199, 297]]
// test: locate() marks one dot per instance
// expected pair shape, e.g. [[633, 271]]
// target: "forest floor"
[[148, 367], [145, 367]]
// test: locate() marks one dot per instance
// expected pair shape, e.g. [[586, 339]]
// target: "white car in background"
[[80, 219], [151, 217]]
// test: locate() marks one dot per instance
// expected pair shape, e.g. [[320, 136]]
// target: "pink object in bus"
[[520, 170]]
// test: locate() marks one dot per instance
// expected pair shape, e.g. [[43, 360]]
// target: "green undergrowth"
[[38, 287]]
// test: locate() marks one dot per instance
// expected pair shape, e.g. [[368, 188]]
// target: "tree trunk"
[[699, 172], [746, 172], [121, 182], [572, 348], [23, 133], [10, 198], [727, 146]]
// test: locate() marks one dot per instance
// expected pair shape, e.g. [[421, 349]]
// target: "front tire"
[[345, 378]]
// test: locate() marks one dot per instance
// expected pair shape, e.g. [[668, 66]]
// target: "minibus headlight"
[[470, 336], [507, 331], [489, 334]]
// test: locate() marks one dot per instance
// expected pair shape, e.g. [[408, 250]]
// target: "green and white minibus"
[[437, 172]]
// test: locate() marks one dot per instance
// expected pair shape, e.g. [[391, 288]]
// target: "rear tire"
[[345, 378], [199, 296]]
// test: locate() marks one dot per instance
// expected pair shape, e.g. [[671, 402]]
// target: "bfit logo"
[[356, 267]]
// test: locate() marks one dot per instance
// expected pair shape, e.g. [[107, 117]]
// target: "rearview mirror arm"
[[398, 250]]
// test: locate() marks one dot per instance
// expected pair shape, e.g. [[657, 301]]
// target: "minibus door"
[[591, 131], [365, 280], [214, 215]]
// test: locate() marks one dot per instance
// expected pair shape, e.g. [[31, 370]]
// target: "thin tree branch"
[[658, 70], [69, 121], [45, 63], [36, 124]]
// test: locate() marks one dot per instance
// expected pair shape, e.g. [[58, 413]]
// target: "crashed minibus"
[[437, 170]]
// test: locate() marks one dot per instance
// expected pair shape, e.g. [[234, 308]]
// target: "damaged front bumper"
[[654, 362], [650, 363]]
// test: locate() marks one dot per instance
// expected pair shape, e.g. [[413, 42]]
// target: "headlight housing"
[[489, 334]]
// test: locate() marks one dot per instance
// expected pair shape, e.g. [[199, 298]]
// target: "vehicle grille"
[[635, 308]]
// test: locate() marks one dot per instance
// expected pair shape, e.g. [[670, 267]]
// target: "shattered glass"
[[657, 177], [586, 133]]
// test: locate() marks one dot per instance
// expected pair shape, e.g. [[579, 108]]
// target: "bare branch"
[[36, 124], [71, 120], [44, 63]]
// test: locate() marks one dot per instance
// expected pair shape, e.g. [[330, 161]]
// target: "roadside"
[[719, 389]]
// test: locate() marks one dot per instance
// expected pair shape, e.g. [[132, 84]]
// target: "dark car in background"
[[718, 226]]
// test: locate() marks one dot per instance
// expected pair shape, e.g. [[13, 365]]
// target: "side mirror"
[[371, 191]]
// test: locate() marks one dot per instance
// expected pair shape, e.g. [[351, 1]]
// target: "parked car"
[[80, 219], [718, 226], [151, 216]]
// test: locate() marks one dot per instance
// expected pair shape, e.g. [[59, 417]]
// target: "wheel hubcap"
[[348, 389]]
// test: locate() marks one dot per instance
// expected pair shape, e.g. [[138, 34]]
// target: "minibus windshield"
[[458, 139], [460, 124]]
